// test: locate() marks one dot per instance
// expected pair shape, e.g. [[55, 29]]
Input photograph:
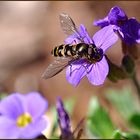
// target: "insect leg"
[[86, 69], [75, 41], [82, 65], [76, 58], [70, 69]]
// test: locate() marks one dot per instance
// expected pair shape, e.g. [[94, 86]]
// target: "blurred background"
[[28, 32]]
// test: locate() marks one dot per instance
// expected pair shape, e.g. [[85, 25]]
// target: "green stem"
[[136, 83]]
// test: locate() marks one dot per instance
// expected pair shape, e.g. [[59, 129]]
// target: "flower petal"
[[75, 72], [98, 72], [12, 105], [84, 34], [35, 104], [101, 22], [72, 39], [117, 16], [131, 31], [63, 118], [75, 39], [8, 128], [34, 129], [105, 37], [138, 40]]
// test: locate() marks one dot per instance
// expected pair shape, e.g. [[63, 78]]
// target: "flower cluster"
[[98, 71], [22, 115], [129, 29], [114, 24]]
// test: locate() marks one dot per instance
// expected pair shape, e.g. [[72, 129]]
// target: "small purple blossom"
[[63, 120], [116, 16], [95, 72], [129, 29], [22, 115]]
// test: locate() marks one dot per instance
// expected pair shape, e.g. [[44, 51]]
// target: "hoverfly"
[[67, 53]]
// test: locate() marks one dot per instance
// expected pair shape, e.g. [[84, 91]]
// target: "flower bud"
[[115, 72], [128, 64], [131, 50]]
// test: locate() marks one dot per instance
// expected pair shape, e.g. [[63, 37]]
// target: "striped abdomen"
[[80, 49], [63, 50]]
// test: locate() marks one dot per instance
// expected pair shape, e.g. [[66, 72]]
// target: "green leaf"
[[131, 136], [124, 102], [135, 120], [117, 134], [99, 123], [54, 137], [124, 135]]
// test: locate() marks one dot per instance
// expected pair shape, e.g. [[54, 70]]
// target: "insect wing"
[[57, 66], [68, 25]]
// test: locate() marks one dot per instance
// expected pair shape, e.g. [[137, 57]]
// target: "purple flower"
[[22, 115], [63, 120], [116, 16], [129, 29], [95, 72]]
